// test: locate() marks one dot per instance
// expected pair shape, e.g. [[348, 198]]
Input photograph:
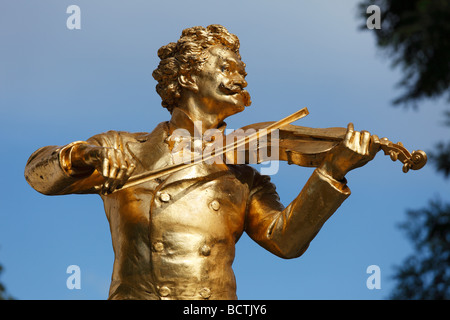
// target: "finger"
[[109, 169], [122, 171], [105, 187], [355, 142], [375, 140], [349, 134], [365, 142], [114, 164], [130, 169], [120, 176], [124, 163], [350, 127], [105, 167], [127, 175], [374, 144], [116, 169]]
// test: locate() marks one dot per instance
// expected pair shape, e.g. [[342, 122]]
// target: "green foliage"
[[426, 274], [416, 34]]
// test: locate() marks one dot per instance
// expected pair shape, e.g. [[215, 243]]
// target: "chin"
[[239, 105], [239, 108], [242, 100], [236, 103]]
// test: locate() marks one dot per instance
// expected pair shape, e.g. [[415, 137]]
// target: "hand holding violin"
[[354, 151]]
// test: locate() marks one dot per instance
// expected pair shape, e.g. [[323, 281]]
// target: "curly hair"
[[187, 56]]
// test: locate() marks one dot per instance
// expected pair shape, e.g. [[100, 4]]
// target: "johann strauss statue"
[[174, 237]]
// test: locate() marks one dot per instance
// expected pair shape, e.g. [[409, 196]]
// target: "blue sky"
[[59, 85]]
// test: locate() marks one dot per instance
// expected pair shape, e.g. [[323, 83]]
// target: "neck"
[[191, 117]]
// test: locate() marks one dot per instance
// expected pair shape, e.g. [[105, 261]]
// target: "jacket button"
[[215, 205], [205, 250], [164, 197], [158, 246], [164, 291], [205, 293]]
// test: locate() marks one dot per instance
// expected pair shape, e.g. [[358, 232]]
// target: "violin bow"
[[154, 174]]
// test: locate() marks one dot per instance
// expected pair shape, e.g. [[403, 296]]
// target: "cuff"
[[339, 185], [65, 161]]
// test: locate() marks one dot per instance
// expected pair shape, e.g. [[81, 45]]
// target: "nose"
[[242, 84], [240, 81]]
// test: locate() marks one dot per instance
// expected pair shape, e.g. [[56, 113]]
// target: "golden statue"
[[174, 226]]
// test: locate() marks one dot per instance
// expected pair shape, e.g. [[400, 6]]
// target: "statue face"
[[221, 82]]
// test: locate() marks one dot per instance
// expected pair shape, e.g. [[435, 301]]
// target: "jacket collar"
[[151, 151]]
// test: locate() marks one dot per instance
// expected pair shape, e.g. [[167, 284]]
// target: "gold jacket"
[[174, 237]]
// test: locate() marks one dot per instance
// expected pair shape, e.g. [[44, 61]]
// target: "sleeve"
[[49, 170], [288, 231]]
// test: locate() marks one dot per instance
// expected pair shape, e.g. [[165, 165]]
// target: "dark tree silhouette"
[[3, 294], [426, 274], [415, 34]]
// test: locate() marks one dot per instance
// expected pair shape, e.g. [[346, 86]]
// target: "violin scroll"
[[414, 161]]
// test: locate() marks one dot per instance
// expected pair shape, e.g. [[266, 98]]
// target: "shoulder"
[[118, 139], [249, 175]]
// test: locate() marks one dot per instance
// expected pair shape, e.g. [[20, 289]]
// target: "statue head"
[[182, 63]]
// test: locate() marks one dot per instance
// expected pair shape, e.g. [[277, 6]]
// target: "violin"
[[307, 147], [303, 146]]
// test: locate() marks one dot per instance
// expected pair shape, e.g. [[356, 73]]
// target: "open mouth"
[[236, 89], [231, 90]]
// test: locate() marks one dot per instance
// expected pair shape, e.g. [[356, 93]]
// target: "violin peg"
[[393, 155], [406, 167]]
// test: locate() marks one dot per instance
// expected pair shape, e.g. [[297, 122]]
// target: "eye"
[[225, 68]]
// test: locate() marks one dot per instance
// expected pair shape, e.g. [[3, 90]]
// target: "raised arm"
[[288, 231]]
